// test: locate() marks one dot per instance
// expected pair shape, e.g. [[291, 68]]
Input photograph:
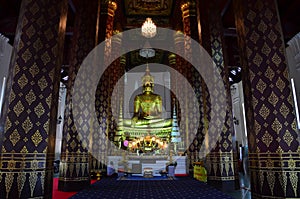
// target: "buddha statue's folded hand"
[[134, 121]]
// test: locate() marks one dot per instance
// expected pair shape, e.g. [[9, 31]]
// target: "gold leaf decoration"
[[288, 138], [34, 70], [30, 31], [294, 181], [32, 182], [30, 97], [22, 81], [18, 108], [36, 138], [267, 139], [264, 112], [280, 84], [257, 60], [26, 55], [45, 58], [21, 181], [284, 110], [276, 125], [271, 181], [39, 110], [38, 45], [27, 125], [14, 137], [42, 83], [266, 50], [273, 99], [261, 86], [291, 164], [9, 178], [11, 165]]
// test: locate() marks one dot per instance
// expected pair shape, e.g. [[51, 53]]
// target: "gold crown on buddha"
[[147, 78]]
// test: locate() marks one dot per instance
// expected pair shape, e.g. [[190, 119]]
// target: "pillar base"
[[70, 186]]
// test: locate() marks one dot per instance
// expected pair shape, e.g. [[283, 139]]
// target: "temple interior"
[[151, 90]]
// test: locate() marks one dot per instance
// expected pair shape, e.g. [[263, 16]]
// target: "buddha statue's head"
[[148, 81]]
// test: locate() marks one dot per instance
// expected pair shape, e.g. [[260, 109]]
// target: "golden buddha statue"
[[148, 107]]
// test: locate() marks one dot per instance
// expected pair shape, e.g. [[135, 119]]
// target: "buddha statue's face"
[[148, 87]]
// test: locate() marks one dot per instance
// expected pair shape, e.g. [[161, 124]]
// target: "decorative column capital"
[[117, 36], [179, 37], [123, 60], [112, 7], [172, 59], [188, 9], [108, 7]]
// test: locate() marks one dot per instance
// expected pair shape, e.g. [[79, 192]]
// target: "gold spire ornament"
[[147, 79]]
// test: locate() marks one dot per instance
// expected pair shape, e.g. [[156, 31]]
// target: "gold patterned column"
[[222, 161], [74, 168], [28, 123], [105, 87], [194, 140], [274, 151]]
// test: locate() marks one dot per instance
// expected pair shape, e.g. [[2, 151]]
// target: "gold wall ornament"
[[294, 181], [34, 70], [32, 181], [267, 139], [140, 7], [14, 137], [26, 55], [261, 86], [271, 181], [42, 83], [291, 164], [22, 81], [21, 179], [257, 60], [273, 98], [280, 84], [30, 97], [276, 125], [288, 138], [284, 110], [36, 138], [9, 178], [27, 125]]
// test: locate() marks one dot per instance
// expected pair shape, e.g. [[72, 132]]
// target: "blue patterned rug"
[[143, 178], [182, 188]]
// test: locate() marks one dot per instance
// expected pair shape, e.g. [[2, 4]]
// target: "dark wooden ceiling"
[[132, 17]]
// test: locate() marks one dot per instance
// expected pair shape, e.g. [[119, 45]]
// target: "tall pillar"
[[103, 93], [222, 162], [74, 169], [28, 122], [271, 125], [190, 28], [105, 106]]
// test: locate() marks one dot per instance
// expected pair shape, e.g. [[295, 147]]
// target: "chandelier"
[[148, 28]]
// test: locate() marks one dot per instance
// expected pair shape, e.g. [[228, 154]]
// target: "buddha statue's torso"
[[150, 106]]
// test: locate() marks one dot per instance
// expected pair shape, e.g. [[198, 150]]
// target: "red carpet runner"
[[56, 194]]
